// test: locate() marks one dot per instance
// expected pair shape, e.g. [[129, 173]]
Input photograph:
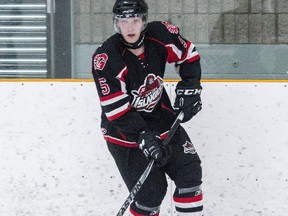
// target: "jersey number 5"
[[104, 86]]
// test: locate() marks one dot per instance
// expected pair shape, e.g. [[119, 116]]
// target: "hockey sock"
[[137, 209], [188, 201]]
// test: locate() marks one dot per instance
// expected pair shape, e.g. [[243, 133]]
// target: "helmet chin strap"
[[135, 45]]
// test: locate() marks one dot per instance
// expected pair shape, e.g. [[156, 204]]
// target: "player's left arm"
[[187, 60]]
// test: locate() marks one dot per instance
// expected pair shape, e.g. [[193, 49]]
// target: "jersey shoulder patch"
[[171, 28], [99, 61], [162, 31], [108, 57]]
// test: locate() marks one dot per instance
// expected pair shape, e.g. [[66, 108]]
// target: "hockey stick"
[[147, 171]]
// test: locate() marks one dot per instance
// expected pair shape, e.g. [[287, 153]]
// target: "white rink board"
[[54, 161]]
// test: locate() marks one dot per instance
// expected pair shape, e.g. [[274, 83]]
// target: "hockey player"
[[137, 114]]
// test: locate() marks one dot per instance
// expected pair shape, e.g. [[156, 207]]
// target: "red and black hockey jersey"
[[131, 88]]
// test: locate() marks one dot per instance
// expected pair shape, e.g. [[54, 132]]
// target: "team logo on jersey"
[[100, 61], [189, 148], [171, 28], [148, 95]]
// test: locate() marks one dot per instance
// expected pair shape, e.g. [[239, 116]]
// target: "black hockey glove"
[[188, 98], [150, 144]]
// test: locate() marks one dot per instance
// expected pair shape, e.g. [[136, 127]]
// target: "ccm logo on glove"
[[188, 98], [188, 91]]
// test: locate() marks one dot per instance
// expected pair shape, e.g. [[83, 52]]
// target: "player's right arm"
[[109, 73]]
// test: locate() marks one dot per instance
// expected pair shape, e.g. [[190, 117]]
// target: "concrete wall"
[[53, 160], [202, 21], [237, 39]]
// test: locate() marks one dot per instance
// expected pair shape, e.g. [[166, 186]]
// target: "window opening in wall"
[[23, 40]]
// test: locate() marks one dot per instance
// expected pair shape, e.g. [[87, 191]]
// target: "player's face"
[[131, 28]]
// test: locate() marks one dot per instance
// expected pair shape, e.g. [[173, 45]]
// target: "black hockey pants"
[[183, 167]]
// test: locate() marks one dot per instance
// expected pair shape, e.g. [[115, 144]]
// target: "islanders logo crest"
[[148, 95]]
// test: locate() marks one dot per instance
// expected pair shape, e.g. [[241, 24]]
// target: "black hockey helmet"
[[129, 8]]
